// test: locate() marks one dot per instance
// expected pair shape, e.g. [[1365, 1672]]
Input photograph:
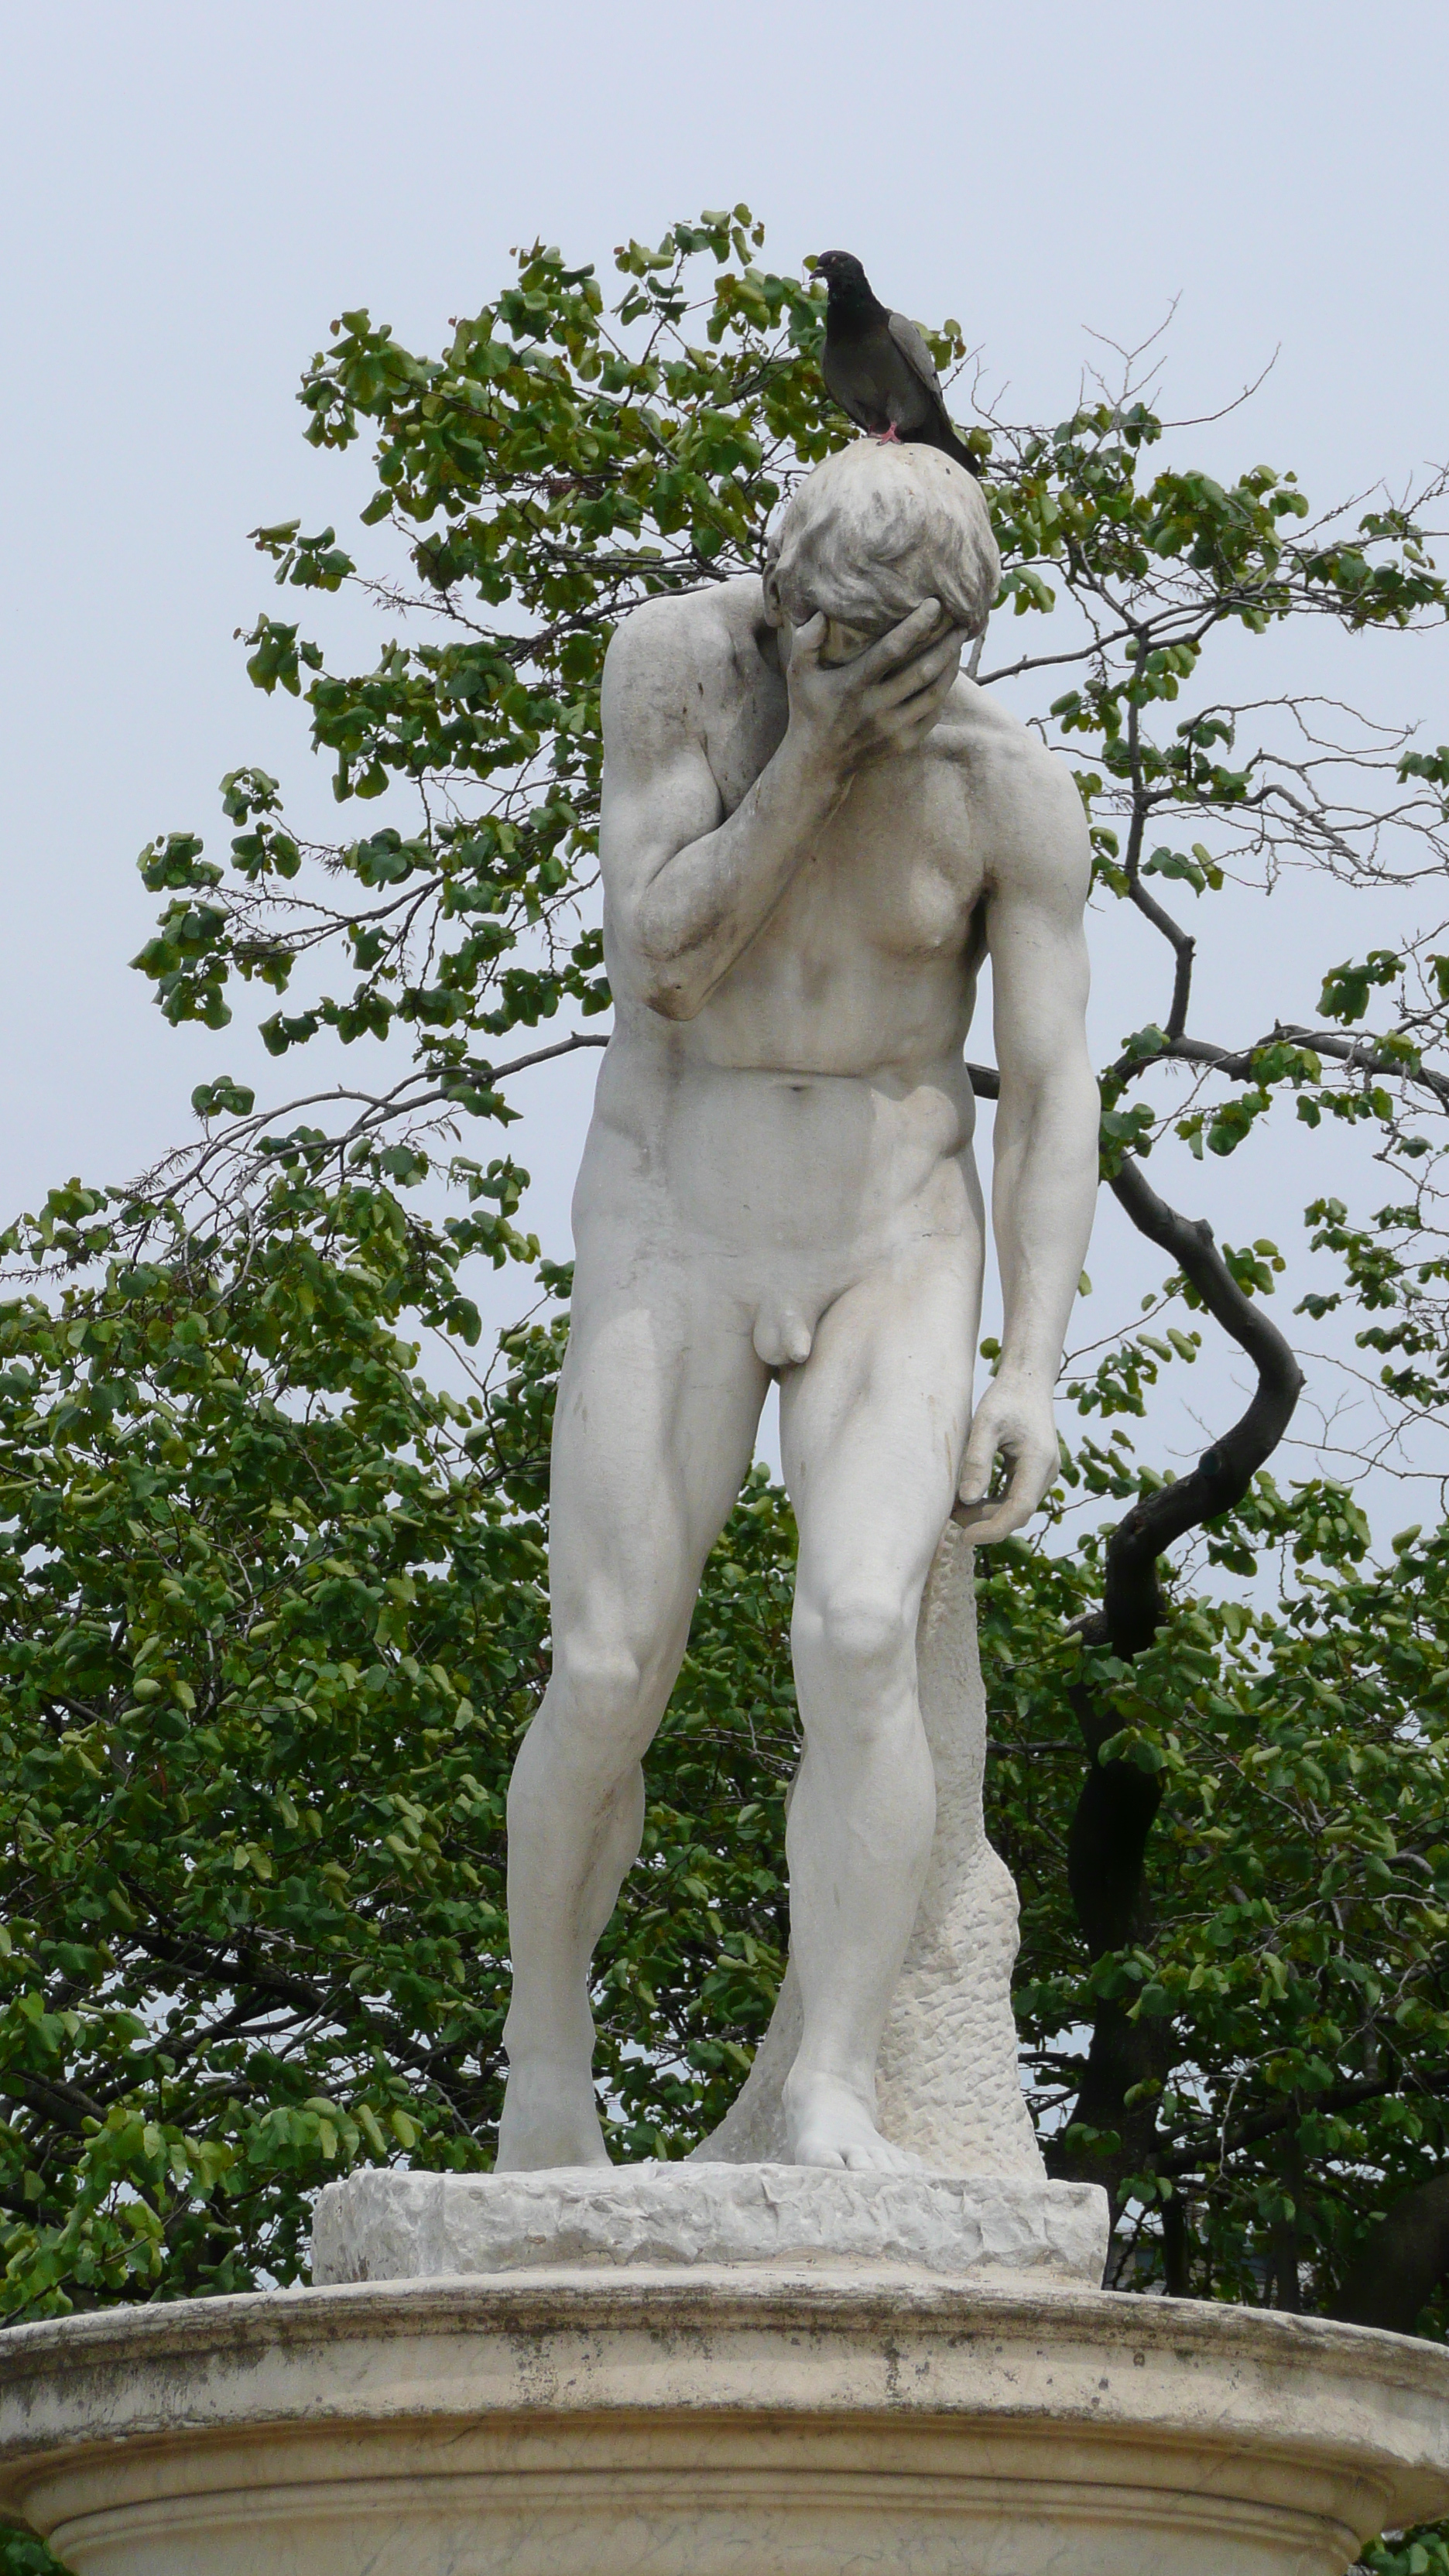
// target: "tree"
[[275, 1622], [273, 1616]]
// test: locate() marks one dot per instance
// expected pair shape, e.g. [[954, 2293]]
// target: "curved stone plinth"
[[384, 2225], [714, 2424]]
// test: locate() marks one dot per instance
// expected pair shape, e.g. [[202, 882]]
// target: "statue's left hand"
[[1015, 1423]]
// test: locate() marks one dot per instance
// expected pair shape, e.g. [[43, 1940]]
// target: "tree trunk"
[[1108, 1838], [1403, 2263]]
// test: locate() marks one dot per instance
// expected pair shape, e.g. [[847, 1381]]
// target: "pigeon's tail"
[[937, 431], [957, 447]]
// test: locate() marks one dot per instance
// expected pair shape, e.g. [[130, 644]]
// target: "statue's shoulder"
[[991, 729], [704, 630], [1024, 798], [1010, 763]]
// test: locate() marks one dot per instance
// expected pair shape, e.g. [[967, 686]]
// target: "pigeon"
[[877, 366]]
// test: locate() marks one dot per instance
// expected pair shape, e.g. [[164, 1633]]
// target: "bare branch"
[[1133, 1604]]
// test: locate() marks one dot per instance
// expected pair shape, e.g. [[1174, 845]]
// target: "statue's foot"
[[549, 2118], [829, 2124]]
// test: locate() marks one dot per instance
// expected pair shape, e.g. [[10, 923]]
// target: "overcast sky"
[[193, 193]]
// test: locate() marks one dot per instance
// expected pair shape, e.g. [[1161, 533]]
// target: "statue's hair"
[[880, 527]]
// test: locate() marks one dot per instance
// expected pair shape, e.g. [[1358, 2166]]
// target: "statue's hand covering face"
[[873, 532]]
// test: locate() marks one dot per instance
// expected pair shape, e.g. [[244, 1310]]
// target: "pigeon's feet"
[[549, 2118], [889, 436], [829, 2123]]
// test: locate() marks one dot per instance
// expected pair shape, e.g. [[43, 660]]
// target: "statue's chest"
[[897, 864]]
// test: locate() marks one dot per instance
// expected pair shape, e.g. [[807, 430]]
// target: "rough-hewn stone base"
[[382, 2225], [635, 2423]]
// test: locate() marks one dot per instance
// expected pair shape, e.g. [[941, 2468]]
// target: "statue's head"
[[874, 531]]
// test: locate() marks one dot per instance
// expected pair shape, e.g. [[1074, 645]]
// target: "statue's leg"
[[655, 1423], [873, 1429]]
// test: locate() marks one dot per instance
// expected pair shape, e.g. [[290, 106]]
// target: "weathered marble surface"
[[382, 2225], [724, 2424], [947, 2084]]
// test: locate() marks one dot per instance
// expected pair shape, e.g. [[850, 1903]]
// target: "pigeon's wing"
[[910, 339], [840, 385]]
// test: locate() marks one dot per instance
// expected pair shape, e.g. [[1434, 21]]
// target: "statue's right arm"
[[688, 886]]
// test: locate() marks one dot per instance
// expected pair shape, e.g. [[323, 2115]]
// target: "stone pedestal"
[[382, 2225], [651, 2421]]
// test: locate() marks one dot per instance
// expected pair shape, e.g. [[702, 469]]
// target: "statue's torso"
[[821, 1090], [867, 964]]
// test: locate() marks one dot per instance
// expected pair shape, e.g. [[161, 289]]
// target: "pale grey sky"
[[192, 193]]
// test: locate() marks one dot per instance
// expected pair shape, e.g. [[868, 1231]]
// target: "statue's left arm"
[[1045, 1176]]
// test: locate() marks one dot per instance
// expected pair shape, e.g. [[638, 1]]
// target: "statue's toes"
[[877, 2155]]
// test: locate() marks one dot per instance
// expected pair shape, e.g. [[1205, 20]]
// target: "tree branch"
[[1133, 1605], [1252, 2131], [1180, 941], [1238, 1063]]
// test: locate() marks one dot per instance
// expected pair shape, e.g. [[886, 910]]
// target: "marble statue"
[[816, 831]]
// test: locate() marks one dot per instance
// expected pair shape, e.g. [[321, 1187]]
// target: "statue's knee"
[[585, 1745], [860, 1631], [600, 1687]]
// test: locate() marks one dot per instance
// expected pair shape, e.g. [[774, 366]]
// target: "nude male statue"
[[814, 831]]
